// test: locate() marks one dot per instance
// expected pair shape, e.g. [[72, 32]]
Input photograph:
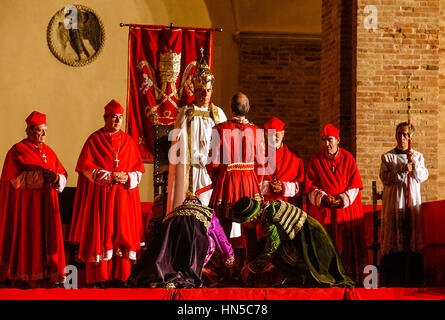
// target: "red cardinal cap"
[[330, 131], [113, 107], [35, 118], [275, 124]]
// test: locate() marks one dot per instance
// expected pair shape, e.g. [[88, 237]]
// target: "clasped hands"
[[276, 186], [331, 202], [119, 177]]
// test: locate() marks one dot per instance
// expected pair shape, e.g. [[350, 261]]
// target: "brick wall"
[[280, 73], [406, 42], [441, 118], [338, 67], [330, 63], [351, 78]]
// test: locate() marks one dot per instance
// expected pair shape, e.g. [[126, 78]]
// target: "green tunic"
[[305, 246]]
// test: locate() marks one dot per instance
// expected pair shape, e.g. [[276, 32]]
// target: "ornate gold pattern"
[[189, 208], [142, 64], [170, 66], [197, 215], [169, 69], [290, 217], [170, 285], [188, 168], [214, 114], [230, 261], [151, 113], [191, 113], [237, 166], [203, 77]]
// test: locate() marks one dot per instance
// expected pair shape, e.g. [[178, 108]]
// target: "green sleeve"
[[273, 240], [263, 261]]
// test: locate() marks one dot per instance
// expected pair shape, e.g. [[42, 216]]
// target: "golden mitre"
[[203, 77]]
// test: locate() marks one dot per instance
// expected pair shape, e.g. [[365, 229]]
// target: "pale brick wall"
[[406, 42], [338, 67], [441, 118], [330, 63], [351, 78]]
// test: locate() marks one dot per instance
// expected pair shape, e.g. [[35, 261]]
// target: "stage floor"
[[227, 294]]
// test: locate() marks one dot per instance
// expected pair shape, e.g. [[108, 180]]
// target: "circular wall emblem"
[[75, 35]]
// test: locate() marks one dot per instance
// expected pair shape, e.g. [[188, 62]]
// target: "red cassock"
[[107, 219], [349, 228], [31, 239], [288, 168], [234, 175]]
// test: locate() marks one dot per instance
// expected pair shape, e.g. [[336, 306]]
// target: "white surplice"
[[401, 231], [201, 133]]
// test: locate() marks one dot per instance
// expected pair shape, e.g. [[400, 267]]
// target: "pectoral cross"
[[409, 87], [44, 158], [116, 162]]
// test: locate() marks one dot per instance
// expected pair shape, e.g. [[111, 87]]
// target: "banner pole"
[[171, 26]]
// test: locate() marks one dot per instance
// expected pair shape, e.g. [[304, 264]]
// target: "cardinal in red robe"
[[107, 219], [284, 175], [236, 154], [333, 185], [31, 240]]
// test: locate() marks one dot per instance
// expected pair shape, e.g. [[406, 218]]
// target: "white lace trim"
[[315, 197]]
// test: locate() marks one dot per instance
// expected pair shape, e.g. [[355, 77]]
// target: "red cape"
[[320, 176], [106, 217], [289, 168], [349, 240], [230, 186], [31, 239]]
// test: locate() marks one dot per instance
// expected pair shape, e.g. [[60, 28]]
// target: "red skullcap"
[[330, 131], [275, 124], [113, 107], [35, 118]]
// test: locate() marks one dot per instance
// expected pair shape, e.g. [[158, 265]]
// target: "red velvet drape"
[[161, 62]]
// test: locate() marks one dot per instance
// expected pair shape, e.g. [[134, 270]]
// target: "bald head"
[[240, 104]]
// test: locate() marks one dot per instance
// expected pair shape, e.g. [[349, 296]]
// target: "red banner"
[[161, 63]]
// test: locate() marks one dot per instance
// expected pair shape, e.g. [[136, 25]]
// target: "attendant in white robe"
[[191, 143], [401, 229]]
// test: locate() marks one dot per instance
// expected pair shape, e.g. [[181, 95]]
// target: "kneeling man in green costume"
[[295, 244]]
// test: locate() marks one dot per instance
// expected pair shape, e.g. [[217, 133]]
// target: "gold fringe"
[[199, 212]]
